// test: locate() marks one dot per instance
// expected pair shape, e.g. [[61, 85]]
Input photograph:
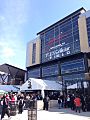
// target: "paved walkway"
[[62, 114], [54, 114]]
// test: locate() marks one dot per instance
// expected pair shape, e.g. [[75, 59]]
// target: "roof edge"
[[61, 20], [13, 66]]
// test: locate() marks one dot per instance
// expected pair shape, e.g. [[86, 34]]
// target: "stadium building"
[[61, 52]]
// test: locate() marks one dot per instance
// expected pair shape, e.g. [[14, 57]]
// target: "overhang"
[[12, 70]]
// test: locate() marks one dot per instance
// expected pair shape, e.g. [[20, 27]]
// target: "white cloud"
[[12, 50], [2, 18], [7, 52], [13, 17], [16, 12]]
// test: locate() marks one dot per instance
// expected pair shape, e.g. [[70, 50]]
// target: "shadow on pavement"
[[69, 111]]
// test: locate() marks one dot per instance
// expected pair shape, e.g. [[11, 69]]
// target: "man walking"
[[5, 109]]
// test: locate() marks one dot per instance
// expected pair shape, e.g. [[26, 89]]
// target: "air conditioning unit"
[[87, 76]]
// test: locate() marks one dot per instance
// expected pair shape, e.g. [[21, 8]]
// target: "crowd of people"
[[21, 101], [18, 101], [75, 102]]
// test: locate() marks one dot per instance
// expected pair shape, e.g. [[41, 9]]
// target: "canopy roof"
[[2, 92], [76, 86], [39, 84], [9, 88]]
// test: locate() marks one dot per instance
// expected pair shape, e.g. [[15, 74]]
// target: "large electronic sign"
[[64, 48], [60, 40], [60, 50]]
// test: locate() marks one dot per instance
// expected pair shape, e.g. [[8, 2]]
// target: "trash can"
[[12, 109], [32, 110]]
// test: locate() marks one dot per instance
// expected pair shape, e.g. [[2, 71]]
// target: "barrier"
[[12, 108], [53, 103], [31, 106], [40, 104], [32, 114]]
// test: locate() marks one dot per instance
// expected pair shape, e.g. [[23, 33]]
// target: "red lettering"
[[59, 37]]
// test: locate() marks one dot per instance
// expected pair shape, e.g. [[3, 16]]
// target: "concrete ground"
[[53, 114], [62, 114]]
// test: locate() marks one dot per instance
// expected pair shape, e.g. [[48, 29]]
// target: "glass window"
[[51, 33], [88, 29], [88, 25], [75, 18], [56, 42], [47, 35], [34, 73], [56, 31], [65, 28], [76, 32], [55, 78], [75, 24], [76, 37], [67, 22], [88, 20], [74, 77], [59, 40], [66, 40], [72, 66], [77, 46], [33, 53], [50, 70]]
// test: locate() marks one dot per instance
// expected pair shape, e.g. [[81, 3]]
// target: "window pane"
[[34, 53], [34, 73], [50, 70], [72, 66]]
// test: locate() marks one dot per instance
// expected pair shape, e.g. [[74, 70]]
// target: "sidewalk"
[[62, 114], [23, 116], [54, 114]]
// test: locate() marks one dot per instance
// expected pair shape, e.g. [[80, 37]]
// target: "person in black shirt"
[[5, 109], [20, 106], [45, 101]]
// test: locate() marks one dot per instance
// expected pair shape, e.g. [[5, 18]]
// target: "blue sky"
[[20, 20]]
